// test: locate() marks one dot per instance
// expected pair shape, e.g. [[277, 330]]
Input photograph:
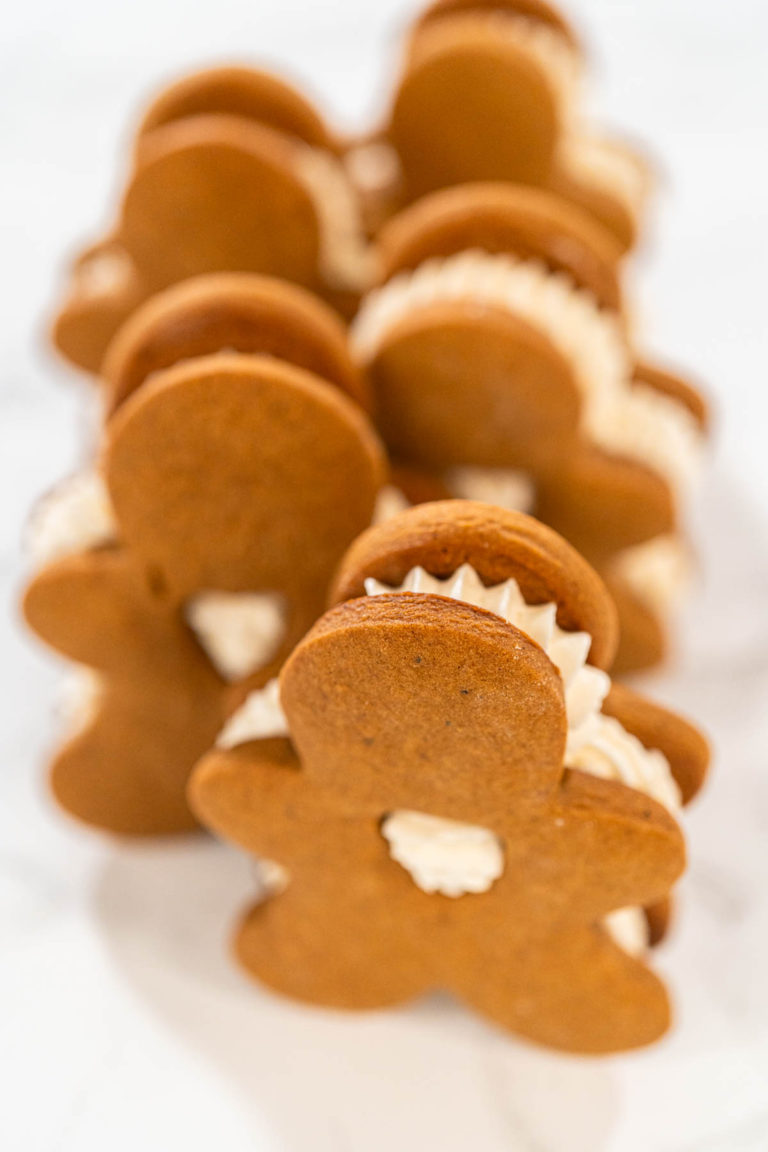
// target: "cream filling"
[[504, 487], [74, 516], [259, 717], [557, 59], [78, 700], [373, 168], [602, 747], [346, 258], [658, 572], [607, 166], [441, 855], [617, 415], [390, 501], [628, 927], [103, 274], [239, 631]]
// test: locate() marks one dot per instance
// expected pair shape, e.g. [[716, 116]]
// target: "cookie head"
[[238, 472], [234, 312], [473, 105], [373, 660], [212, 172], [246, 93]]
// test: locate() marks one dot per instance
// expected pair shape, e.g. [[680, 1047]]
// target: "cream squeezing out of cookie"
[[74, 516], [658, 572], [619, 416], [346, 258], [453, 858], [239, 631]]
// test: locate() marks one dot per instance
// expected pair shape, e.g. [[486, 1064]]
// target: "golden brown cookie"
[[472, 105], [236, 312], [489, 354], [498, 544], [490, 91], [235, 483], [234, 171], [420, 804], [499, 218], [248, 93], [536, 10]]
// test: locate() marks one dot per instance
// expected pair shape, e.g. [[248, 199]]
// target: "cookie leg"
[[340, 955], [576, 991]]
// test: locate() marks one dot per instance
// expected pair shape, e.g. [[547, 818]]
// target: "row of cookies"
[[488, 92], [450, 730], [249, 439], [499, 365]]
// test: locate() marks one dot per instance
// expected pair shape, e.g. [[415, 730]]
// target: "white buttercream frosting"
[[259, 717], [602, 747], [442, 855], [608, 166], [595, 743], [390, 501], [658, 572], [103, 273], [74, 516], [373, 167], [271, 877], [504, 487], [628, 927], [617, 415], [239, 631], [78, 699], [346, 257]]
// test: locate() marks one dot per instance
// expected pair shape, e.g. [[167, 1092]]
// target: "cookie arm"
[[90, 607], [257, 795], [602, 846]]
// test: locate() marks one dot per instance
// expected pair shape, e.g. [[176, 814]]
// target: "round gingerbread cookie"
[[243, 92], [236, 312], [440, 537]]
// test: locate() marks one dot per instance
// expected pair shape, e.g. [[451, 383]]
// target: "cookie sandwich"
[[491, 90], [499, 355], [181, 571], [233, 170], [453, 796]]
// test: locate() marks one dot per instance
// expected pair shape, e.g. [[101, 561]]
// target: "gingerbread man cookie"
[[233, 171], [186, 569], [499, 357], [491, 91], [448, 802]]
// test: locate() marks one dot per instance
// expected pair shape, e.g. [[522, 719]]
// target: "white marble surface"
[[122, 1023]]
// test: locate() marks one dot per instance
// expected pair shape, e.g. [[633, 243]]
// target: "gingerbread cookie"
[[186, 571], [498, 359], [491, 91], [448, 802], [233, 171], [231, 311]]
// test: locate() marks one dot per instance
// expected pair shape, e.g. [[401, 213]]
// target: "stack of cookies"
[[385, 495]]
